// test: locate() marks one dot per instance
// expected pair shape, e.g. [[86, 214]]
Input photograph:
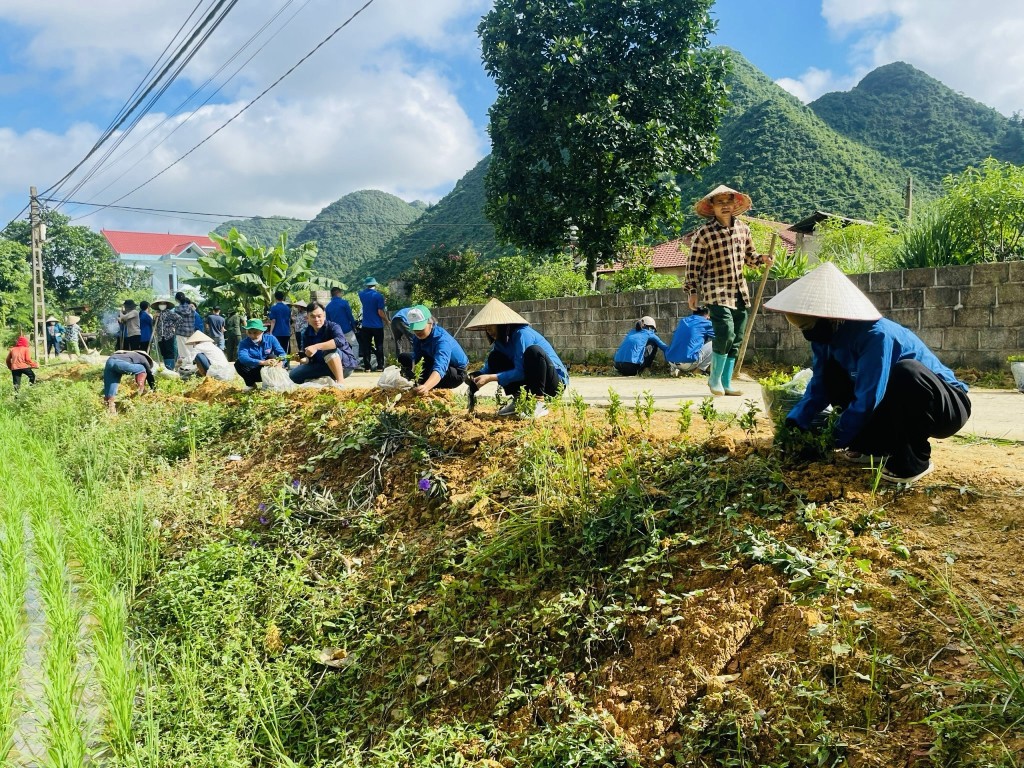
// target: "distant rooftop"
[[152, 243]]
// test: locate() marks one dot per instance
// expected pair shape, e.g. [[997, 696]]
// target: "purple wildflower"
[[295, 484], [261, 508], [264, 520], [424, 484]]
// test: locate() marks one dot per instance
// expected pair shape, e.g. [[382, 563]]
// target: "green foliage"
[[79, 268], [986, 206], [351, 232], [637, 274], [599, 105], [932, 241], [521, 278], [263, 230], [857, 248], [929, 128], [15, 277], [446, 276], [247, 274]]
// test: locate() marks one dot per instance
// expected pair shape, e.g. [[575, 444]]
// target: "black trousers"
[[23, 372], [634, 369], [452, 378], [541, 376], [230, 346], [917, 405], [252, 375], [371, 338], [400, 330], [285, 342]]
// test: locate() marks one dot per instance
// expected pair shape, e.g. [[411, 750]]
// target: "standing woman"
[[165, 325], [520, 358], [130, 327], [133, 362], [145, 326], [20, 362], [719, 252], [299, 323]]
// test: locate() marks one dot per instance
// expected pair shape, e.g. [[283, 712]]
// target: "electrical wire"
[[240, 112]]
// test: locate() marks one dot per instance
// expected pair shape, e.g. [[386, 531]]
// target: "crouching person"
[[520, 358], [690, 349], [444, 360], [258, 350], [637, 351], [134, 363], [893, 393], [206, 355], [325, 350]]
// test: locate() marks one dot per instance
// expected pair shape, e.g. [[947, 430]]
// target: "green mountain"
[[789, 161], [930, 129], [457, 220], [352, 231], [263, 230]]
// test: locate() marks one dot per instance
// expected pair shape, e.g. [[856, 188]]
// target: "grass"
[[14, 570]]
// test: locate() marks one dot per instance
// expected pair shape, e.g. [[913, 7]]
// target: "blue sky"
[[397, 101]]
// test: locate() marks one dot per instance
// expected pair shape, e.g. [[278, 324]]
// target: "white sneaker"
[[539, 412], [508, 409]]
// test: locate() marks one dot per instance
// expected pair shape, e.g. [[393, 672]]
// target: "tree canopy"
[[599, 106]]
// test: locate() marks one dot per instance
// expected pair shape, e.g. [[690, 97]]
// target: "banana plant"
[[248, 274]]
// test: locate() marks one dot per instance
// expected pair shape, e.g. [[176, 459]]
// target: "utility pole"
[[908, 199], [38, 299]]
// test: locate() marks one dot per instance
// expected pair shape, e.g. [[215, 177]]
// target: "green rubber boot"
[[730, 364], [715, 379]]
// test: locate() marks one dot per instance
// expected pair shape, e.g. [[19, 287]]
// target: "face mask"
[[821, 332]]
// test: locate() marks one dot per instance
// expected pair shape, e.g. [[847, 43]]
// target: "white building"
[[169, 258]]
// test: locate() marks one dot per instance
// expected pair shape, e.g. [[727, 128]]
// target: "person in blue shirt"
[[215, 324], [371, 334], [145, 326], [892, 391], [258, 350], [690, 349], [636, 352], [280, 316], [325, 350], [400, 330], [444, 360], [339, 312], [520, 358], [197, 319]]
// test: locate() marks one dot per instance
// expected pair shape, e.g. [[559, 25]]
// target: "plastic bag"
[[222, 373], [320, 383], [276, 379], [392, 378], [92, 358], [168, 373], [779, 400]]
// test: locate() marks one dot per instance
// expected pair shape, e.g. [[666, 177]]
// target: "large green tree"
[[600, 104], [14, 278], [248, 274], [79, 267]]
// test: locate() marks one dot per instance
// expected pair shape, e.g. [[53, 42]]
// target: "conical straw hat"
[[161, 303], [703, 206], [52, 319], [825, 292], [197, 337], [72, 319], [496, 313]]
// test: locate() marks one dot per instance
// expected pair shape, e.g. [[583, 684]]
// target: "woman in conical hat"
[[714, 277], [893, 392], [519, 358], [204, 354]]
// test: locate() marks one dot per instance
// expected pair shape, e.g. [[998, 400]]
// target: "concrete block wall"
[[970, 316]]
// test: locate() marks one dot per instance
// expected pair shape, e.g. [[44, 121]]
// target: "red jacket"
[[20, 356]]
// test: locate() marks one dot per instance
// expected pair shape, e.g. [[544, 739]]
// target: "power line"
[[238, 114]]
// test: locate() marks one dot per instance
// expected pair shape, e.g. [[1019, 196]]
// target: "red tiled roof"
[[674, 253], [153, 244]]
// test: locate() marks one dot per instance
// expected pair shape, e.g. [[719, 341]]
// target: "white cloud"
[[814, 82], [375, 108], [973, 49]]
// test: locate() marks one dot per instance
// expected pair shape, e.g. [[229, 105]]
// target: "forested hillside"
[[457, 220], [789, 161], [930, 129], [263, 230], [352, 231]]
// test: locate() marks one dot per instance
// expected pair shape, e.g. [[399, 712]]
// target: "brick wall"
[[969, 316]]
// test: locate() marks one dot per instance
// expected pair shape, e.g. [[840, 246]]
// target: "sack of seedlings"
[[276, 379], [781, 393], [392, 378]]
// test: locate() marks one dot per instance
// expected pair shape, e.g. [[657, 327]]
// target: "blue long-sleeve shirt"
[[524, 336], [252, 353], [339, 311], [281, 314], [145, 327], [631, 350], [371, 300], [866, 350], [329, 331], [691, 334], [441, 346], [197, 320]]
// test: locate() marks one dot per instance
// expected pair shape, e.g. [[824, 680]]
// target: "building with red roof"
[[169, 258]]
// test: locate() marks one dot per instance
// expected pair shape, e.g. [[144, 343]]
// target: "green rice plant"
[[614, 412], [685, 417], [748, 417], [14, 575], [643, 409], [709, 413]]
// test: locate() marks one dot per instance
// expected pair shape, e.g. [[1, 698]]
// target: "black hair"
[[504, 333], [702, 311], [279, 295], [314, 305], [336, 290], [215, 309], [180, 297], [144, 305], [130, 303], [639, 326]]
